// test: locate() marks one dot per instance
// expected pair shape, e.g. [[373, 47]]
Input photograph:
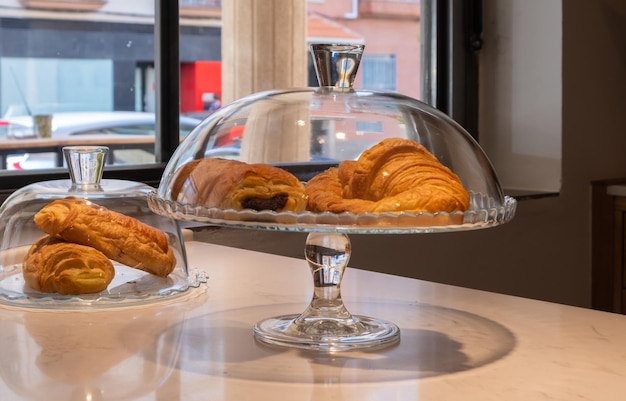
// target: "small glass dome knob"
[[86, 165]]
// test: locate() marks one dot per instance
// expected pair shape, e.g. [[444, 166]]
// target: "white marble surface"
[[457, 344]]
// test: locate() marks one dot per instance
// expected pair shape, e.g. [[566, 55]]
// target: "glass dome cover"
[[129, 285], [307, 130]]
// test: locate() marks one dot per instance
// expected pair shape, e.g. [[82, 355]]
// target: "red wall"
[[197, 78]]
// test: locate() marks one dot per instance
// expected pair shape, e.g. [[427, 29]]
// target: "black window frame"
[[452, 31], [451, 28]]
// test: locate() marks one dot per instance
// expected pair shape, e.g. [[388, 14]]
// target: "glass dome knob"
[[336, 65], [86, 165]]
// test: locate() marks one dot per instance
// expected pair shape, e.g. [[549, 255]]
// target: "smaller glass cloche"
[[88, 241]]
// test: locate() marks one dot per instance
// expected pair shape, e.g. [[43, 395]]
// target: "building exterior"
[[390, 30], [60, 55], [55, 55]]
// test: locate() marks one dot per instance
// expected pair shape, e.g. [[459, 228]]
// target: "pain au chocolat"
[[231, 184]]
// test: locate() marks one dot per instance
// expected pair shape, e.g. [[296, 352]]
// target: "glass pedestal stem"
[[326, 324]]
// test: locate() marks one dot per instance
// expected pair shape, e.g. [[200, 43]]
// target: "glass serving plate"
[[129, 286], [306, 131]]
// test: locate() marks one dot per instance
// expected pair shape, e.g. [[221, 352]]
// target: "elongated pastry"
[[54, 265], [395, 175], [120, 237], [231, 184]]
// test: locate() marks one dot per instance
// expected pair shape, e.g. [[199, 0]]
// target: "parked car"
[[84, 124]]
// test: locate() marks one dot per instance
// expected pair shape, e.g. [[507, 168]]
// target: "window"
[[369, 126], [58, 84], [116, 61], [379, 71]]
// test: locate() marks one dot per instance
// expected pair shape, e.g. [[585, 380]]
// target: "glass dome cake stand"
[[129, 285], [306, 131]]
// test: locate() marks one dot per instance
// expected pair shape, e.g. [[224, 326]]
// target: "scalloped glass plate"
[[129, 287], [483, 213]]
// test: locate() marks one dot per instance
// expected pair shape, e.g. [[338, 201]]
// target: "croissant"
[[231, 184], [395, 175], [53, 265], [120, 237]]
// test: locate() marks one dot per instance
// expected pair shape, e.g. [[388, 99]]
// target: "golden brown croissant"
[[120, 237], [231, 184], [396, 175], [53, 265]]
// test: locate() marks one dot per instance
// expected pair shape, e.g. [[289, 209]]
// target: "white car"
[[75, 124]]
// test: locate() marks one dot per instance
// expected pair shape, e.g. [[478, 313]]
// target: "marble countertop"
[[456, 343]]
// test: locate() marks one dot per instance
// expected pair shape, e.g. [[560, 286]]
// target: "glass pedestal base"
[[326, 334], [326, 325]]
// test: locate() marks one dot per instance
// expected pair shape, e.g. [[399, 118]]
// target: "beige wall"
[[520, 92]]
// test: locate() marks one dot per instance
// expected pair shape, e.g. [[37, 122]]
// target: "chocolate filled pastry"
[[120, 237], [396, 175], [231, 184], [54, 265]]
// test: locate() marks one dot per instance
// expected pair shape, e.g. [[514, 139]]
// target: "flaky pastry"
[[120, 237], [231, 184], [53, 265], [395, 175]]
